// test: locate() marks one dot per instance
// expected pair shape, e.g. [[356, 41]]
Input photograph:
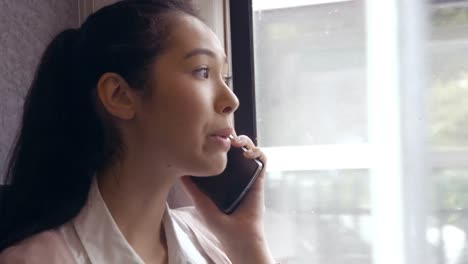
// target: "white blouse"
[[94, 238]]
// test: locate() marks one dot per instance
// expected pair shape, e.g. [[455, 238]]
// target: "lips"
[[221, 138], [224, 133]]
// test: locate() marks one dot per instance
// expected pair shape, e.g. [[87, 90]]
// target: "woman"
[[118, 111]]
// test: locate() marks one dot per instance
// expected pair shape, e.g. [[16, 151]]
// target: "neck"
[[136, 199]]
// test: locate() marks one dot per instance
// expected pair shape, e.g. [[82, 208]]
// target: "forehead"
[[189, 33]]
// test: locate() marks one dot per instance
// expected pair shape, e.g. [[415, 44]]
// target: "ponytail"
[[50, 167], [65, 136]]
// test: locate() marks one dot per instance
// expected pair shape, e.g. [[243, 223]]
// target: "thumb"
[[201, 200]]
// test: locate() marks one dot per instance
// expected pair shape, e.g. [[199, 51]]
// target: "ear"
[[116, 96]]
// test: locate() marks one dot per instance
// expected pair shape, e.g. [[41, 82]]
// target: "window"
[[359, 106], [448, 130]]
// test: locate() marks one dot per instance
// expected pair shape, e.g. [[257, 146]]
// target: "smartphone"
[[229, 188]]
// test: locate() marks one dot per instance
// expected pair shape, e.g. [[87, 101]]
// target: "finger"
[[253, 153], [234, 134], [243, 141], [256, 153], [249, 143], [238, 141]]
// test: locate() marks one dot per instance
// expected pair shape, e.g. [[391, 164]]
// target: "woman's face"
[[186, 119]]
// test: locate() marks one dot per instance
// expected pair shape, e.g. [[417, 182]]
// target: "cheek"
[[192, 123], [180, 117], [177, 122], [189, 110], [192, 101]]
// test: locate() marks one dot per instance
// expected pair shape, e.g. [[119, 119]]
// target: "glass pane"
[[447, 235], [310, 92], [311, 74], [448, 130], [319, 217], [449, 75]]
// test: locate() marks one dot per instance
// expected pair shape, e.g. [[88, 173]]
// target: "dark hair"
[[63, 138]]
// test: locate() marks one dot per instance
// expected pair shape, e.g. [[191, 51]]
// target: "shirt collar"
[[105, 244]]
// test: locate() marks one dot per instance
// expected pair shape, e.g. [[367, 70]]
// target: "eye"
[[227, 80], [203, 73]]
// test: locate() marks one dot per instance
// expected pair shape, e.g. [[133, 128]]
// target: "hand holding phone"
[[229, 188]]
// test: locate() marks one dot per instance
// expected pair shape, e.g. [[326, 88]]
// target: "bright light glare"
[[276, 4], [319, 157]]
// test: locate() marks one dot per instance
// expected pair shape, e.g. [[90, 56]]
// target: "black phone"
[[229, 188]]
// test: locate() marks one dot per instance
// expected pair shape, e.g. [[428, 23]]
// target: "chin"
[[213, 167], [218, 171]]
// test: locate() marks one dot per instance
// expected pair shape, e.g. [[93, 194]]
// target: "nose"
[[227, 102]]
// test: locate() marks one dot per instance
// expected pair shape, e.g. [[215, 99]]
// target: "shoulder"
[[46, 247]]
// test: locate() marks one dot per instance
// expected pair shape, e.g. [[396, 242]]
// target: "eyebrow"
[[201, 51]]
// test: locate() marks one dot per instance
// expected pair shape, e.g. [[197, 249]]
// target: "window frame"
[[242, 59]]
